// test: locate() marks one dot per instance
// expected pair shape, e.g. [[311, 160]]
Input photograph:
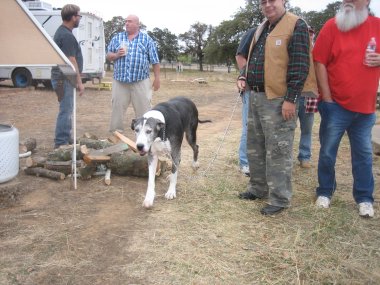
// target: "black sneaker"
[[271, 210], [248, 196]]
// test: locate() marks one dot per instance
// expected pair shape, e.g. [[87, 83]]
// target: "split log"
[[91, 159], [96, 144], [107, 177], [128, 141], [35, 161], [128, 163], [64, 167], [109, 150], [84, 150], [87, 171], [38, 171], [64, 153], [113, 139], [28, 144]]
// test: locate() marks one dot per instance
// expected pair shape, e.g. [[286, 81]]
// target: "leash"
[[240, 96]]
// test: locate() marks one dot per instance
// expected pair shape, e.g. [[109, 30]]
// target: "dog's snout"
[[140, 146]]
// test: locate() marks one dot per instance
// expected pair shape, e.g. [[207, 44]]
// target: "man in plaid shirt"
[[132, 52], [277, 68]]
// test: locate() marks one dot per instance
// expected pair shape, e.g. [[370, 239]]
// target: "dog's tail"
[[204, 121]]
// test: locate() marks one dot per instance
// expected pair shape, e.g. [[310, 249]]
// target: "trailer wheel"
[[22, 78]]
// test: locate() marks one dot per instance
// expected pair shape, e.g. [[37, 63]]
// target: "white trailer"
[[90, 35]]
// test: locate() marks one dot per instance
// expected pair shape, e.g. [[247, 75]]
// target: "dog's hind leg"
[[191, 137], [176, 157], [150, 192]]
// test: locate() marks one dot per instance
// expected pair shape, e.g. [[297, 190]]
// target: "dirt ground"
[[98, 234]]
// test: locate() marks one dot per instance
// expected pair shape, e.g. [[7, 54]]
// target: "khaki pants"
[[139, 93]]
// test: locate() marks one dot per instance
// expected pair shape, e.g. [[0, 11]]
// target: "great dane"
[[161, 131]]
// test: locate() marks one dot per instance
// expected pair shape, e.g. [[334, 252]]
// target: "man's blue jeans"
[[335, 121], [64, 119], [243, 159], [306, 125]]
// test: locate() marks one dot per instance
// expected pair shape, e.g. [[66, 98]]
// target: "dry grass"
[[101, 235]]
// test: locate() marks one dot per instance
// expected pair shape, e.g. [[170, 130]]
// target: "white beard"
[[348, 17]]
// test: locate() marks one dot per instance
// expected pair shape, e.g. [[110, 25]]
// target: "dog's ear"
[[133, 124], [160, 125]]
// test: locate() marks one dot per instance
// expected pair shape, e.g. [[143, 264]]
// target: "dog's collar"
[[155, 115], [158, 116]]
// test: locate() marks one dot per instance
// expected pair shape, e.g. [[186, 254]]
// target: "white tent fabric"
[[25, 42]]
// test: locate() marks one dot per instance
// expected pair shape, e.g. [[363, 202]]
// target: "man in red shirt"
[[348, 79]]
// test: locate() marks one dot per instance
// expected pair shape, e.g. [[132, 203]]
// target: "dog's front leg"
[[150, 193], [171, 193], [176, 157]]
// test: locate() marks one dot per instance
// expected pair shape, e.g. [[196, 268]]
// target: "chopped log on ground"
[[64, 153], [91, 159], [35, 161], [84, 150], [28, 144], [109, 150], [113, 139], [107, 177], [128, 163], [87, 171], [95, 144], [128, 141], [39, 171], [64, 167]]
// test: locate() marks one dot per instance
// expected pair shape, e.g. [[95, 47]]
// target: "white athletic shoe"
[[366, 210], [322, 202], [245, 170]]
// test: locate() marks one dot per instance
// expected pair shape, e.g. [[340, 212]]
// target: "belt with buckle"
[[258, 88]]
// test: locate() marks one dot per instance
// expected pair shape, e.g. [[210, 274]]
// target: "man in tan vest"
[[277, 72]]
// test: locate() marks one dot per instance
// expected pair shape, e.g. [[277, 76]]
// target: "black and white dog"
[[161, 131]]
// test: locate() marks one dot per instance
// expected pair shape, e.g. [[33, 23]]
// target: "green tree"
[[318, 19], [224, 39], [196, 40], [111, 27], [167, 44]]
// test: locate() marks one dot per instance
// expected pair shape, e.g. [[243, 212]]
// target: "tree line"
[[205, 44]]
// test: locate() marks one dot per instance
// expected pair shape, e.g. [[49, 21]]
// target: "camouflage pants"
[[270, 150]]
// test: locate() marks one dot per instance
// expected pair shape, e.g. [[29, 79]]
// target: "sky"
[[178, 16]]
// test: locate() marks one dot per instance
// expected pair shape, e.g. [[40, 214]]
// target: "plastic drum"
[[9, 152]]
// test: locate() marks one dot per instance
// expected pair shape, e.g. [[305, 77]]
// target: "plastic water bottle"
[[371, 48]]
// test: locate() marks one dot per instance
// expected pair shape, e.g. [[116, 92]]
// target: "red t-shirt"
[[353, 85]]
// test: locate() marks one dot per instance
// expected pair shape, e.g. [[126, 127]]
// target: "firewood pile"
[[94, 157]]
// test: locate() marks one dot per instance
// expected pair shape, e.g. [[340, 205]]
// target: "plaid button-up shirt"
[[298, 66], [141, 52]]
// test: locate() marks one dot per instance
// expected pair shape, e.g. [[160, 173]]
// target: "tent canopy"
[[25, 42]]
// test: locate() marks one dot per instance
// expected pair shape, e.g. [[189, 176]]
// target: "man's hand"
[[372, 59], [241, 83], [156, 84], [80, 88], [288, 110]]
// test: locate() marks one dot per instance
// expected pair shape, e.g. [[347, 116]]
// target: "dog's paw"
[[170, 194], [149, 198], [195, 165], [147, 203]]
